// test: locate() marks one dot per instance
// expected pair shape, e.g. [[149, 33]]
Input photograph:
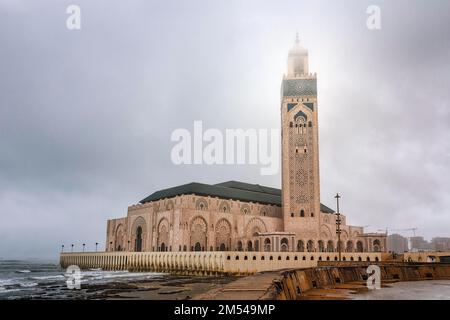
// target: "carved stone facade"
[[235, 216]]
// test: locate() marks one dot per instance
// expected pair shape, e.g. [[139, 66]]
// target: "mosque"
[[238, 216]]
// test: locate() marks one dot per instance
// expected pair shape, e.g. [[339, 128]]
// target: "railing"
[[207, 262]]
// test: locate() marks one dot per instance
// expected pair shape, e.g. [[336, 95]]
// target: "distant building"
[[420, 244], [397, 243], [441, 243]]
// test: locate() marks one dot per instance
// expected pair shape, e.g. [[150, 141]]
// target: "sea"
[[21, 279]]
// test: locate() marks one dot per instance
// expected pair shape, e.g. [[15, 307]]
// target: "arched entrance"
[[249, 246], [138, 240], [120, 232], [222, 247], [198, 234], [223, 234], [163, 235]]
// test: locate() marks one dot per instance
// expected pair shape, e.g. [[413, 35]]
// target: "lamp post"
[[71, 250], [62, 248], [84, 244], [338, 225], [96, 244]]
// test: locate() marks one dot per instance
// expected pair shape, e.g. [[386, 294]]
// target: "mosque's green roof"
[[227, 190]]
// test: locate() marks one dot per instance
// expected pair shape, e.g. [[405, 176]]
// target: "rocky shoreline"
[[169, 288]]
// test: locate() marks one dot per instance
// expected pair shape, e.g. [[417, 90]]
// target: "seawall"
[[207, 262]]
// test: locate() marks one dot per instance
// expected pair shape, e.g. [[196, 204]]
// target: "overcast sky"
[[86, 116]]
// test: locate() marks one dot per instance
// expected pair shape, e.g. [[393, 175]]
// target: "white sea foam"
[[28, 284], [23, 271], [54, 277], [108, 276]]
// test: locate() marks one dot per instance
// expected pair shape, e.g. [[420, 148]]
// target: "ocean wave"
[[28, 284], [4, 290], [23, 271], [54, 277]]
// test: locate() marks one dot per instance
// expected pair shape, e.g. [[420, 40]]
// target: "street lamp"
[[96, 244], [84, 244], [71, 250], [62, 248], [338, 225]]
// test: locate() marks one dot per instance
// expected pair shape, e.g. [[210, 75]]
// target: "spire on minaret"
[[297, 59]]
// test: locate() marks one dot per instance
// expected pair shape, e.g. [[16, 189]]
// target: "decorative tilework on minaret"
[[300, 148]]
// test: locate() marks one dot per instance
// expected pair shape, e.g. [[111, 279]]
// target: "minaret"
[[300, 148]]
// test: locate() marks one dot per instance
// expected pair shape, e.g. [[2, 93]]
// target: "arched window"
[[310, 246], [224, 206], [300, 246], [359, 246], [321, 246], [330, 246], [284, 245], [249, 246], [267, 244], [376, 245], [302, 213], [349, 246], [201, 204]]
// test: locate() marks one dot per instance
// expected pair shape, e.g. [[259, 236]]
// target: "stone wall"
[[295, 282], [426, 256]]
